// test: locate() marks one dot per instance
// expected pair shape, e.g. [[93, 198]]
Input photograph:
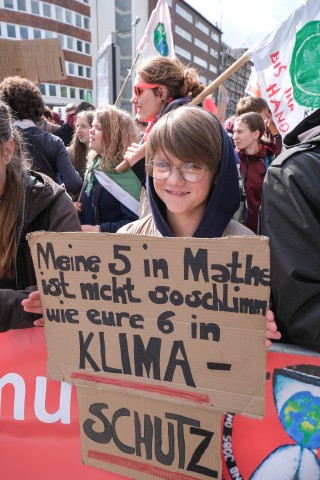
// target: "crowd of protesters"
[[180, 178]]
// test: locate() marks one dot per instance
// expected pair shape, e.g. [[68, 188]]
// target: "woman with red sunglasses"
[[161, 84]]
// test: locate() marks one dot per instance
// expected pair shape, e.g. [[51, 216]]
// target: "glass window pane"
[[11, 31], [46, 10], [8, 3], [21, 4], [68, 16], [72, 92], [59, 13], [78, 20], [42, 88], [36, 33], [63, 91], [24, 34], [35, 9], [52, 90]]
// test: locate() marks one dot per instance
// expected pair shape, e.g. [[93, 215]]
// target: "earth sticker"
[[304, 66], [160, 40]]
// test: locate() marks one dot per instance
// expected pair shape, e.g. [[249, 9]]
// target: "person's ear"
[[163, 93], [256, 134], [7, 151]]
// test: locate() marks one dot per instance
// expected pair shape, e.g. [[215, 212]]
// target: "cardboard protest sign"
[[147, 439], [33, 59], [180, 320]]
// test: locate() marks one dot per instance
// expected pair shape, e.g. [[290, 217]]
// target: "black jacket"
[[50, 156], [45, 206], [290, 216]]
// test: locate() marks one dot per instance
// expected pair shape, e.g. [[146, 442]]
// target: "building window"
[[183, 33], [48, 34], [81, 94], [214, 52], [42, 88], [47, 10], [68, 16], [59, 14], [36, 33], [72, 92], [213, 68], [80, 71], [61, 38], [88, 72], [11, 31], [78, 20], [70, 43], [71, 68], [181, 11], [24, 34], [63, 91], [182, 52], [203, 79], [8, 3], [21, 4], [86, 23], [52, 90], [200, 61], [215, 37], [202, 27], [87, 48], [35, 9], [201, 44], [79, 45]]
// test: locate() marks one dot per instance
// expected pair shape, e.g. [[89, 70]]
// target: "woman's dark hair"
[[23, 98]]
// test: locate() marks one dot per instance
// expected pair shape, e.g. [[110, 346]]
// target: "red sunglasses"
[[142, 86]]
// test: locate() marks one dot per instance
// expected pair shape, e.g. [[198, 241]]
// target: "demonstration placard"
[[181, 320], [41, 60], [146, 439]]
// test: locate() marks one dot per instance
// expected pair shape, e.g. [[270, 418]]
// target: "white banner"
[[287, 66]]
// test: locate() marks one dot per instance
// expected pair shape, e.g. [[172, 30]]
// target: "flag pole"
[[128, 78], [218, 81]]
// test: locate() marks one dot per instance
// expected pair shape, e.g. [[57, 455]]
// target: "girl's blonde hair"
[[12, 198], [118, 133]]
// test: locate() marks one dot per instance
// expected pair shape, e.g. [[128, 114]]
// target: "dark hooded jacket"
[[222, 204], [45, 206], [290, 217]]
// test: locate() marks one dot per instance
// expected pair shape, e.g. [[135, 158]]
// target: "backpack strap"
[[313, 143]]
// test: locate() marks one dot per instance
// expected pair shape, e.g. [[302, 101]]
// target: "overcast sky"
[[245, 22]]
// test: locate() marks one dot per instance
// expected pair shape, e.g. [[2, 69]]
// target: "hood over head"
[[308, 128], [222, 204]]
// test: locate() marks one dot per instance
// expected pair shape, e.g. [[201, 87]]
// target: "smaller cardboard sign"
[[41, 60], [147, 439], [182, 319]]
